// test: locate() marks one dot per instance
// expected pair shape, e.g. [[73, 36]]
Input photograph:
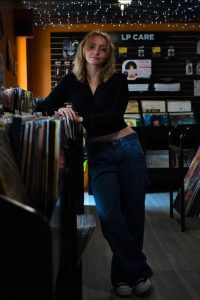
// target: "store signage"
[[138, 36]]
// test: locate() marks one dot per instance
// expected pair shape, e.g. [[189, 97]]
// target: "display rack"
[[40, 254], [181, 138]]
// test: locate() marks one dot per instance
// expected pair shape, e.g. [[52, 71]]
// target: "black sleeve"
[[120, 97], [56, 99]]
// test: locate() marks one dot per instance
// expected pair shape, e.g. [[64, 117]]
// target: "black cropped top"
[[102, 112]]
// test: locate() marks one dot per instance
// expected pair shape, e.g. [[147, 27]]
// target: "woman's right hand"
[[69, 113]]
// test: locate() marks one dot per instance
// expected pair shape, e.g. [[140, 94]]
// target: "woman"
[[99, 97]]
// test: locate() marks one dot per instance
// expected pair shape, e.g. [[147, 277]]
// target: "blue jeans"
[[118, 177]]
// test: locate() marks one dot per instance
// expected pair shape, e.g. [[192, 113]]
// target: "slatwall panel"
[[163, 68], [56, 40]]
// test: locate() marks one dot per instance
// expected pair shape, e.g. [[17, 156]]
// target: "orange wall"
[[39, 48], [21, 46], [6, 8], [38, 64]]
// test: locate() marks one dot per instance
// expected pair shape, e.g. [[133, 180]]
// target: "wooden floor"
[[173, 255]]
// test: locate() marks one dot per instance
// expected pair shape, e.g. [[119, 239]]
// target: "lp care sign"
[[138, 36]]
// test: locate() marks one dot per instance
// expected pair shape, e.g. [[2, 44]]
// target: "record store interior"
[[56, 243]]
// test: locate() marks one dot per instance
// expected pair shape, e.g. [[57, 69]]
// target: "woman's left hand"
[[69, 113]]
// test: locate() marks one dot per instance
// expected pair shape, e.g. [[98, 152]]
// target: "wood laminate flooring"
[[173, 255]]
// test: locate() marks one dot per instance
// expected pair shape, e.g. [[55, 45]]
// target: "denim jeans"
[[118, 177]]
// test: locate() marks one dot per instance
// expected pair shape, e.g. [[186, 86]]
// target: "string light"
[[97, 11]]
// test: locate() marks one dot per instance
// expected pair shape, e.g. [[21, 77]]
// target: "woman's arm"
[[56, 99]]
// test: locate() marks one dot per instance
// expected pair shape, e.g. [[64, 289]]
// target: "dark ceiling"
[[103, 11]]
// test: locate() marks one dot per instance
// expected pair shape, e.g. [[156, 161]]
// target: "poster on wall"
[[137, 68]]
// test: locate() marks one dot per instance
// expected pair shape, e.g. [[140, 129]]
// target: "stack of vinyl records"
[[191, 199]]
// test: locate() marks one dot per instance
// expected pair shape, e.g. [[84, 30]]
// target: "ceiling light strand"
[[119, 12]]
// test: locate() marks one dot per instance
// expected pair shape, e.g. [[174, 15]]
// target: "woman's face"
[[96, 51]]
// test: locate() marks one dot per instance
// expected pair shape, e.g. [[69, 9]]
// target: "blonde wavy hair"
[[108, 68]]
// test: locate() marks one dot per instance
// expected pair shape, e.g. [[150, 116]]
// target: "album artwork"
[[182, 118], [132, 107], [133, 120], [155, 119], [188, 155], [157, 159], [139, 68], [153, 106], [179, 106]]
